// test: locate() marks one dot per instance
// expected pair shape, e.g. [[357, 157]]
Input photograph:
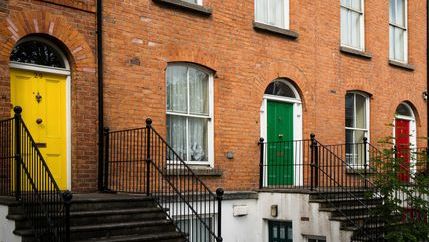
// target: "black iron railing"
[[141, 161], [25, 175], [375, 168], [308, 164]]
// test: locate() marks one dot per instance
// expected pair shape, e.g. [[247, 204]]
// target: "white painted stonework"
[[294, 207], [7, 227]]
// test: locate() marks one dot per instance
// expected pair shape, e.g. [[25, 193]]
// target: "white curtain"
[[270, 12], [177, 89], [176, 135], [198, 92], [261, 11], [198, 139]]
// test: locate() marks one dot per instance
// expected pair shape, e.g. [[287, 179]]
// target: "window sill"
[[187, 6], [357, 53], [275, 30], [398, 64], [198, 170]]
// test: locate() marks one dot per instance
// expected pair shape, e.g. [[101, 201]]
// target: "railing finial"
[[261, 140], [312, 136], [220, 192], [365, 139], [148, 122], [17, 110]]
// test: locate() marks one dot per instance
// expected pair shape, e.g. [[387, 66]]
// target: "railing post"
[[365, 160], [148, 155], [18, 155], [67, 196], [261, 163], [219, 196], [313, 162], [105, 186]]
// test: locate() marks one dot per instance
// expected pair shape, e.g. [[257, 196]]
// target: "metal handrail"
[[30, 181], [141, 161]]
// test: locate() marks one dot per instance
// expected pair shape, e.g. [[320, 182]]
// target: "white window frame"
[[362, 26], [286, 15], [367, 120], [405, 28], [210, 123]]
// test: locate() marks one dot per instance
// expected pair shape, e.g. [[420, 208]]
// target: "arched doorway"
[[281, 125], [40, 84], [405, 134]]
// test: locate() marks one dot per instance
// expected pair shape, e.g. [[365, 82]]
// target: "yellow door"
[[42, 97]]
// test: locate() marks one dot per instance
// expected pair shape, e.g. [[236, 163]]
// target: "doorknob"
[[280, 136], [39, 121]]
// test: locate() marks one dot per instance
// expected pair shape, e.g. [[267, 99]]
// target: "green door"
[[280, 143]]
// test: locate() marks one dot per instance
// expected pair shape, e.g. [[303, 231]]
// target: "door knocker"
[[38, 97]]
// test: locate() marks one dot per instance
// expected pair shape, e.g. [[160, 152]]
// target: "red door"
[[402, 136]]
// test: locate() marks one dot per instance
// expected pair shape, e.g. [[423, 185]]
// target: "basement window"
[[280, 231], [196, 230]]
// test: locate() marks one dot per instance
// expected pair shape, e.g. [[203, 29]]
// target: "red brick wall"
[[246, 61], [75, 29], [142, 37]]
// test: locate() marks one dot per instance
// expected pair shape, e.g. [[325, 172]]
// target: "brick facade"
[[143, 36], [246, 61]]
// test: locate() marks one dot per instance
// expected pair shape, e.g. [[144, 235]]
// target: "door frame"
[[297, 127], [413, 134], [58, 71]]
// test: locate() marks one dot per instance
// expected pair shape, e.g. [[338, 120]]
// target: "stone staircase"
[[109, 218], [351, 213]]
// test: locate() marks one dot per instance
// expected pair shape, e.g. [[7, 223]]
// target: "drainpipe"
[[100, 94], [427, 71]]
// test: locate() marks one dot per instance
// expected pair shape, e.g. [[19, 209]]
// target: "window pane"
[[191, 1], [404, 110], [344, 29], [261, 11], [275, 232], [177, 89], [176, 134], [349, 146], [198, 92], [279, 88], [400, 18], [198, 139], [356, 4], [355, 29], [392, 11], [346, 3], [358, 150], [399, 44], [38, 53], [350, 110], [360, 112], [282, 232], [277, 13]]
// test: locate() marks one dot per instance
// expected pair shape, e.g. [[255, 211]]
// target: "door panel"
[[280, 143], [42, 97], [402, 137]]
